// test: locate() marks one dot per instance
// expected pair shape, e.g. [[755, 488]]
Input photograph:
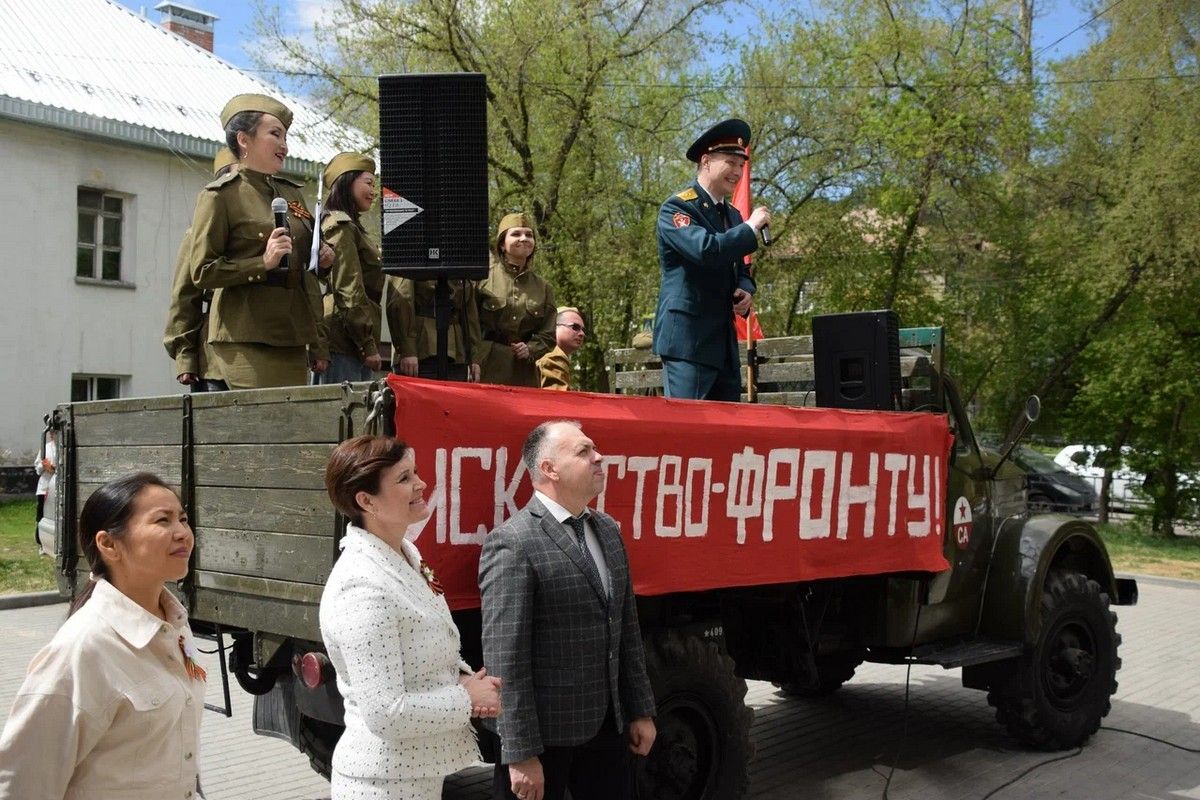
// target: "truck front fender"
[[1025, 550]]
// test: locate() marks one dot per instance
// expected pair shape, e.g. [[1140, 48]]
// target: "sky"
[[234, 33]]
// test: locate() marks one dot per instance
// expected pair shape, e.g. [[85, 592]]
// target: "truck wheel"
[[240, 658], [317, 740], [703, 747], [833, 669], [1064, 682]]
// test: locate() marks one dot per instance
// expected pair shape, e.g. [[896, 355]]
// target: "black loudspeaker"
[[856, 360], [433, 170]]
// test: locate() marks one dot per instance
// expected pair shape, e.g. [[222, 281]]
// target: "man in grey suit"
[[560, 629]]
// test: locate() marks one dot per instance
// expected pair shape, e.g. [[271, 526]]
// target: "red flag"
[[747, 327]]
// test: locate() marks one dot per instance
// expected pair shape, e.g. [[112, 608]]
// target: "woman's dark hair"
[[108, 509], [242, 122], [340, 196], [356, 466]]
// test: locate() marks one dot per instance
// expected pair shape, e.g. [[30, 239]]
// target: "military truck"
[[1020, 602]]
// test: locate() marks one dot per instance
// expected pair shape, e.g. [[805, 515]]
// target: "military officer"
[[516, 308], [702, 242], [356, 280], [264, 319], [569, 333], [186, 334]]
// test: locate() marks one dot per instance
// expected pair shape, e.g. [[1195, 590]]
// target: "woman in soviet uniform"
[[352, 310], [186, 333], [516, 309], [415, 351], [264, 320]]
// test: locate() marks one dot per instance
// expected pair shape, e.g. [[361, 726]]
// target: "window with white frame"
[[98, 244], [95, 387]]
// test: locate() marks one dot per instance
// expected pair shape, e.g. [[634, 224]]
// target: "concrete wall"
[[52, 325]]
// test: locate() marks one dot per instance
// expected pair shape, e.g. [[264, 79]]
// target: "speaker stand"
[[441, 319]]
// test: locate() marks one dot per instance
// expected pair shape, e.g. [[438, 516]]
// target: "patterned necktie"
[[577, 524]]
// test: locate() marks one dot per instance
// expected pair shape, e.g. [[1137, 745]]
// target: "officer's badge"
[[681, 219]]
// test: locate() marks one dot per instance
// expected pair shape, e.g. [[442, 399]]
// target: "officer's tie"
[[578, 525]]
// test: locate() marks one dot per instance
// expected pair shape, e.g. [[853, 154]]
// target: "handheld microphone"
[[279, 208], [766, 235]]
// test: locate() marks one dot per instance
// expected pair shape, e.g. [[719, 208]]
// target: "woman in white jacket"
[[409, 697]]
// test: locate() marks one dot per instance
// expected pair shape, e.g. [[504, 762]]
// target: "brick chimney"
[[191, 23]]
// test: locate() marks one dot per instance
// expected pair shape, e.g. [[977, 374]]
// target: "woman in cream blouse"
[[409, 697], [111, 707]]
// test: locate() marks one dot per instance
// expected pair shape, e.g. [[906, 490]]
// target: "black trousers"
[[41, 512], [599, 769]]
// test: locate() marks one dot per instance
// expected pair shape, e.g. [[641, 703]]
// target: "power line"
[[1079, 27]]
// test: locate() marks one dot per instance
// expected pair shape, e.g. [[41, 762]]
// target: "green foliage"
[[916, 155]]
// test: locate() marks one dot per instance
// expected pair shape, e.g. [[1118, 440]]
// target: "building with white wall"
[[108, 126]]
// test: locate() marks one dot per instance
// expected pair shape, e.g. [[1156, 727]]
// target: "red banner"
[[708, 494]]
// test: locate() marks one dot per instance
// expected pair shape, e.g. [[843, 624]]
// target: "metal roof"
[[95, 67]]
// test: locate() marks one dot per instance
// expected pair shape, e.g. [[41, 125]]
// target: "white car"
[[1124, 492]]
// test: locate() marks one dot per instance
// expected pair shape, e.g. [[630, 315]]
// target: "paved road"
[[949, 746]]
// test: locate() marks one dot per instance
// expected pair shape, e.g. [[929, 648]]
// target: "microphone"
[[279, 208], [766, 235]]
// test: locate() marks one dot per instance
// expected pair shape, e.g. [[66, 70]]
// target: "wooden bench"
[[785, 369]]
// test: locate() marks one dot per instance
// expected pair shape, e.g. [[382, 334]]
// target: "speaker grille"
[[856, 360], [433, 157]]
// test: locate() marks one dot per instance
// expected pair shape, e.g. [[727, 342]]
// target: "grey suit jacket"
[[563, 650]]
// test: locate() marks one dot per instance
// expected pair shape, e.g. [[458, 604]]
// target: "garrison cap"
[[256, 102], [223, 159], [342, 163], [509, 221], [730, 136]]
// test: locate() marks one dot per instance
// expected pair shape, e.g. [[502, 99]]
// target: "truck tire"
[[241, 656], [317, 740], [1065, 681], [703, 747], [833, 669]]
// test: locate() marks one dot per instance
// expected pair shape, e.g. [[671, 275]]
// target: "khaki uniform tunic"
[[186, 333], [420, 335], [514, 308], [555, 370], [352, 312], [259, 332]]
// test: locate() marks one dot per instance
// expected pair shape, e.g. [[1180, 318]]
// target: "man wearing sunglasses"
[[555, 366]]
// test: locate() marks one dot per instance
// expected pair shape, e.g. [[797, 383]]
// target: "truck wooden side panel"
[[250, 469]]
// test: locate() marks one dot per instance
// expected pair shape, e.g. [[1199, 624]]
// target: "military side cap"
[[342, 163], [730, 136], [223, 159], [256, 102]]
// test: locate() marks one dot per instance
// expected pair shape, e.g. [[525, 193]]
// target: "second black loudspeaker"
[[856, 360], [433, 171]]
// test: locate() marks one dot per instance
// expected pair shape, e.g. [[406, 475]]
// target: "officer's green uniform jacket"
[[555, 370], [352, 311], [186, 333], [420, 334], [232, 223], [514, 308]]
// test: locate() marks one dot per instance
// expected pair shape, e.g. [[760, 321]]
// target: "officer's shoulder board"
[[688, 194], [224, 180], [287, 181]]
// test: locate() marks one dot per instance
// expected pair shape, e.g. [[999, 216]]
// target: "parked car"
[[1087, 461], [1051, 487]]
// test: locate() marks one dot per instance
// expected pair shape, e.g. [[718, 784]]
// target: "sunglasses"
[[575, 326]]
